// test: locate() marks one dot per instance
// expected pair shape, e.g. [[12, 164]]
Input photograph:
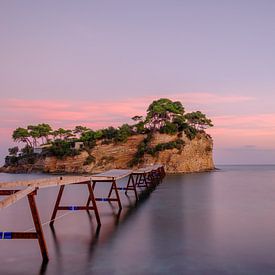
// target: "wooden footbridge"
[[147, 177]]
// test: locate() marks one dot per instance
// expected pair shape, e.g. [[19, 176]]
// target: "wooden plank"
[[16, 197], [112, 174], [65, 180], [143, 170], [46, 182]]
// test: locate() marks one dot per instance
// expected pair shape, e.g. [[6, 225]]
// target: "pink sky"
[[97, 64], [241, 131]]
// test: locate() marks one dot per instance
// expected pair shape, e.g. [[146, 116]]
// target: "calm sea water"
[[220, 222]]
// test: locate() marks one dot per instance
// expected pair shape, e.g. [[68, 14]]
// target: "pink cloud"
[[210, 98], [241, 130], [93, 112], [246, 121], [232, 129]]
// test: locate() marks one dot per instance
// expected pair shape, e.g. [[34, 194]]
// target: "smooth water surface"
[[221, 222]]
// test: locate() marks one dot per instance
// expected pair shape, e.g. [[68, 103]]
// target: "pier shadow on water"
[[219, 222]]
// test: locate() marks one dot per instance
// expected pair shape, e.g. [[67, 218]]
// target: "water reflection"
[[210, 223], [43, 267]]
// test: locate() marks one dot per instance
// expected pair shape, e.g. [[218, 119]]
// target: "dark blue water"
[[221, 222]]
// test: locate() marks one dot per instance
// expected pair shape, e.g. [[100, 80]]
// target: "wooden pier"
[[147, 177]]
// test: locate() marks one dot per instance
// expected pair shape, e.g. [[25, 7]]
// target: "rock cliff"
[[194, 156]]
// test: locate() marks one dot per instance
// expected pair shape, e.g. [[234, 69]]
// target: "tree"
[[162, 111], [164, 106], [123, 132], [109, 133], [198, 120], [63, 134], [169, 128], [61, 148], [13, 151], [180, 121], [22, 135], [79, 130], [137, 118], [88, 136], [34, 133], [44, 131], [27, 150]]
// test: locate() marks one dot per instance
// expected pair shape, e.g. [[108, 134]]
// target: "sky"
[[98, 63]]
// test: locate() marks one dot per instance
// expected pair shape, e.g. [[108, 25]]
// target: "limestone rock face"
[[195, 156]]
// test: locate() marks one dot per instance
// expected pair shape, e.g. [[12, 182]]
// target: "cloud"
[[259, 121], [96, 111], [211, 98], [235, 130]]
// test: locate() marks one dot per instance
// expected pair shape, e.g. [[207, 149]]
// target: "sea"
[[219, 222]]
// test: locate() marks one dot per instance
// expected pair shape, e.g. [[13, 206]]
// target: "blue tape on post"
[[1, 235], [7, 235], [72, 208], [103, 199]]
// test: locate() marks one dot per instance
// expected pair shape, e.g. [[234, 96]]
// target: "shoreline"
[[87, 173]]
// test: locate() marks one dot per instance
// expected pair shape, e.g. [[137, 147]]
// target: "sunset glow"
[[115, 60]]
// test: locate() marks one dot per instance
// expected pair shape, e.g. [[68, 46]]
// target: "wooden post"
[[38, 227], [131, 185], [92, 199], [117, 194], [74, 208], [59, 196]]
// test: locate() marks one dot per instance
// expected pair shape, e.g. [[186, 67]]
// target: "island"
[[166, 135]]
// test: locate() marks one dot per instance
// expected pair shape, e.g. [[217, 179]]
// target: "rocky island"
[[167, 135]]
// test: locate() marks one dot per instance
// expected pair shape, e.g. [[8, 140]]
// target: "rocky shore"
[[194, 156]]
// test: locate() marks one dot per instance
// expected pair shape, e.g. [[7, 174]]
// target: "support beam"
[[16, 196]]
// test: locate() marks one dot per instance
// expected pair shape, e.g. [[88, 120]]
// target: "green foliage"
[[98, 134], [13, 151], [169, 128], [190, 132], [27, 150], [80, 129], [163, 115], [31, 159], [162, 106], [40, 131], [141, 150], [140, 128], [198, 120], [119, 135], [88, 136], [44, 129], [123, 133], [109, 133], [32, 134], [63, 134], [21, 135], [11, 160], [90, 159], [62, 148], [137, 118], [178, 143], [145, 148], [180, 122]]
